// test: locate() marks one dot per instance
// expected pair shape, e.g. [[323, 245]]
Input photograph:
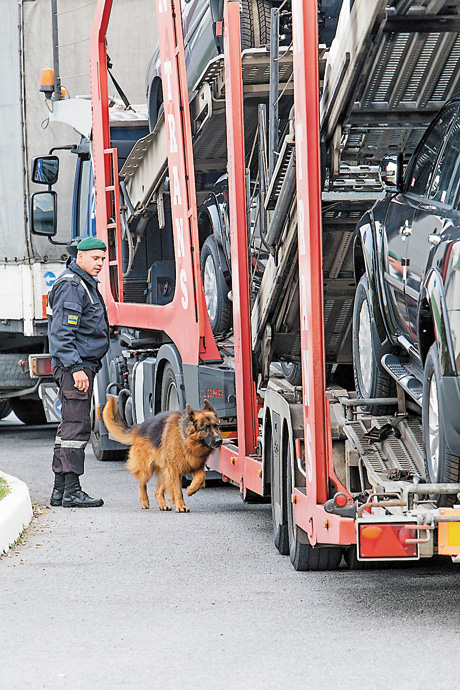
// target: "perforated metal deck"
[[394, 458]]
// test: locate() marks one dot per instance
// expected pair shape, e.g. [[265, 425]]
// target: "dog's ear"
[[190, 412], [207, 406]]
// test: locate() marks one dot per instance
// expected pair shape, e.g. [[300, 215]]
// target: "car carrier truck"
[[299, 128]]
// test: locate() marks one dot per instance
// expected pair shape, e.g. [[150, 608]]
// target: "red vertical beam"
[[245, 388], [101, 133], [306, 96], [185, 319], [181, 168]]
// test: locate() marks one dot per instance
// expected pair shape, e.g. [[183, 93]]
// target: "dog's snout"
[[217, 442]]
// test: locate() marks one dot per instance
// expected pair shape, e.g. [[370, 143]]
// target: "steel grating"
[[383, 460]]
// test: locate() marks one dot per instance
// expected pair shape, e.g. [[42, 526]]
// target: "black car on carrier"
[[406, 322]]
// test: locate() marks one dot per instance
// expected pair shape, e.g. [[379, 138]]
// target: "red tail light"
[[40, 365], [379, 540]]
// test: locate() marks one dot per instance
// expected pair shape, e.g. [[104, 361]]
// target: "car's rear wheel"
[[255, 23], [292, 372], [371, 380], [441, 465], [215, 287]]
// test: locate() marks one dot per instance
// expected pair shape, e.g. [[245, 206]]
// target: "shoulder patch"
[[72, 319]]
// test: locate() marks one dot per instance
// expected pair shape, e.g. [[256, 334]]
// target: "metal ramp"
[[391, 66], [146, 167], [398, 456]]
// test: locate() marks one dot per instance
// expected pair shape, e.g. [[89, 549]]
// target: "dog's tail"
[[115, 425]]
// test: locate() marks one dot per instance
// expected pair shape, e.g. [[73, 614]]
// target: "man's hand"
[[81, 380]]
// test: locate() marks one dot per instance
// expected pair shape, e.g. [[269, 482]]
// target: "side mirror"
[[391, 171], [43, 216], [45, 169]]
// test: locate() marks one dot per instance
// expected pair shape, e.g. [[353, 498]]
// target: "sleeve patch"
[[72, 319]]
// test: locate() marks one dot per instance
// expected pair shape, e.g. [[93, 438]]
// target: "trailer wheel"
[[28, 411], [5, 408], [441, 465], [278, 501], [371, 380], [303, 555], [215, 288], [170, 399]]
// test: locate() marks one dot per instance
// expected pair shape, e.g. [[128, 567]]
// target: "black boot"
[[58, 490], [74, 497]]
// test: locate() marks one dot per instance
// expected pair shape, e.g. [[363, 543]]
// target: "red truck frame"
[[185, 319]]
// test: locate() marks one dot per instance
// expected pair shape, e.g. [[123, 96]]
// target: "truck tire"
[[5, 408], [440, 463], [303, 555], [170, 398], [105, 455], [215, 288], [28, 411], [371, 380], [255, 23]]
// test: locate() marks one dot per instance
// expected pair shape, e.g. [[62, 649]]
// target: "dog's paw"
[[183, 509], [144, 504], [165, 507], [192, 490]]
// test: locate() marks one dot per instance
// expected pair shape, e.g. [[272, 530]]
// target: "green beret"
[[91, 243]]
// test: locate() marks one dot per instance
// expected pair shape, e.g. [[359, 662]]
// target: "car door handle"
[[405, 230], [434, 238]]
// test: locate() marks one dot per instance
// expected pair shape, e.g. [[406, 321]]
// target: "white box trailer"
[[29, 264]]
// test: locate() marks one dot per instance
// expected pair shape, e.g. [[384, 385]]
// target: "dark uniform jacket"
[[78, 328]]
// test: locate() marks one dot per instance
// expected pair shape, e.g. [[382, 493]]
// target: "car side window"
[[425, 158], [446, 177]]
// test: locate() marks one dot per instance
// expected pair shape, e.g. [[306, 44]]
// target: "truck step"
[[397, 457], [404, 377]]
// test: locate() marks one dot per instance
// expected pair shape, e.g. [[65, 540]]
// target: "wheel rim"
[[433, 430], [172, 398], [365, 346], [210, 287]]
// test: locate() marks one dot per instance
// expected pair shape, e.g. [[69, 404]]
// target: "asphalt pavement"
[[118, 597]]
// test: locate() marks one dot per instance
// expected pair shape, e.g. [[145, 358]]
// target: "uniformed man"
[[78, 332]]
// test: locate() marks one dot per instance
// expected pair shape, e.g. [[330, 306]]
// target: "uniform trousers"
[[74, 430]]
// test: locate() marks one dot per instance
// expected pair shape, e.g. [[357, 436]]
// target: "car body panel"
[[410, 245], [399, 248]]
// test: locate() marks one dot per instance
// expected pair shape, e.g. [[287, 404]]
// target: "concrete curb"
[[15, 511]]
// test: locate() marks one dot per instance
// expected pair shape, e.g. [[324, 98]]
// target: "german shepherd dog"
[[171, 445]]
